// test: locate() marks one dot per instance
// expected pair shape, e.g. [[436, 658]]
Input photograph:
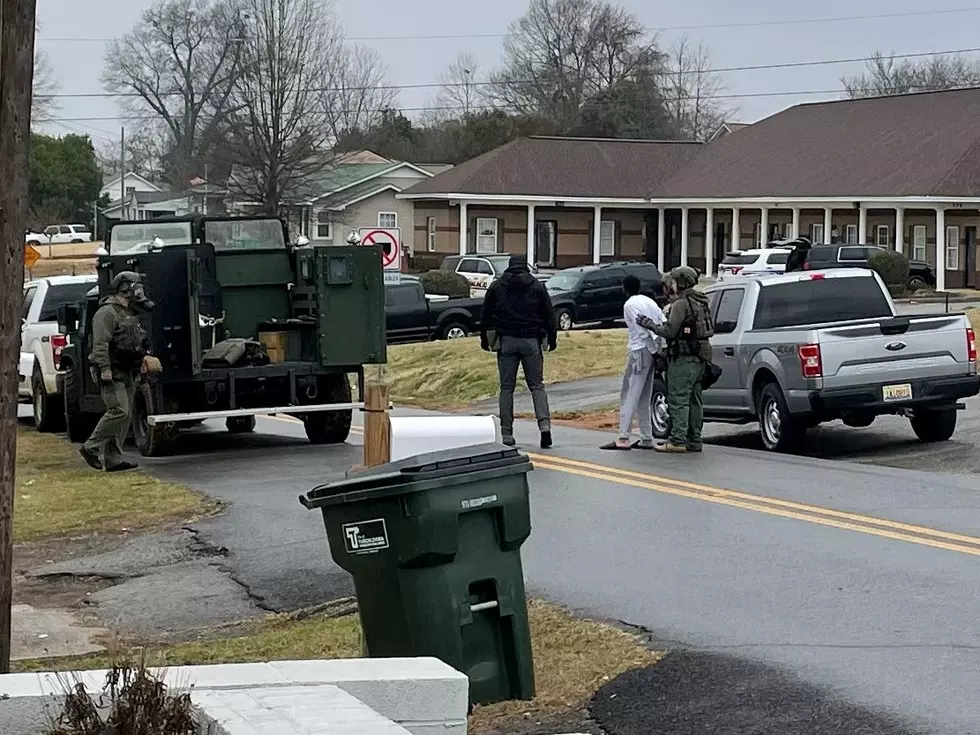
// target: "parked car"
[[822, 257], [60, 234], [800, 349], [480, 270], [413, 316], [42, 344], [594, 293], [753, 262], [35, 238]]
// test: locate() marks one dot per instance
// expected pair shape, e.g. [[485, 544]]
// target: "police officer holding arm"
[[119, 347]]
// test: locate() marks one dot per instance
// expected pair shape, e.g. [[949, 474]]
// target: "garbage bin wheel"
[[330, 427], [158, 439]]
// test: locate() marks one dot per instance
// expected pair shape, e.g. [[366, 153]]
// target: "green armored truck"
[[244, 324]]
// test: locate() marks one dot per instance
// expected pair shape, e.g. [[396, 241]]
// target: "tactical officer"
[[119, 346], [687, 328]]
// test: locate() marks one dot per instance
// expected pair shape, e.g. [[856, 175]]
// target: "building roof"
[[564, 168], [925, 144], [115, 182]]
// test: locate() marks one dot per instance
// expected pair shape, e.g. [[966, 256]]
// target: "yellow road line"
[[708, 491]]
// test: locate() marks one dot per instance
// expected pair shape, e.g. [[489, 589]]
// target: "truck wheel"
[[659, 409], [156, 440], [564, 319], [240, 424], [933, 425], [780, 431], [78, 425], [453, 330], [49, 414], [330, 427]]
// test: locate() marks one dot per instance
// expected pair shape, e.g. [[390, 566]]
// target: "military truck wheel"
[[330, 427], [240, 424], [155, 440], [78, 425]]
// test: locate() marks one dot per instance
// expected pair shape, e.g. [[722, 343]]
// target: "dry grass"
[[572, 657], [974, 316], [456, 373], [45, 268], [58, 495]]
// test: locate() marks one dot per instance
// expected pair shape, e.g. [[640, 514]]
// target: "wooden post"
[[377, 427], [16, 75]]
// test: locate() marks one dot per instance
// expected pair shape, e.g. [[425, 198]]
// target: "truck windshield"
[[138, 237], [247, 234], [799, 303]]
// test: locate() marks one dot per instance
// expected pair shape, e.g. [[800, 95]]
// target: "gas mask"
[[137, 297]]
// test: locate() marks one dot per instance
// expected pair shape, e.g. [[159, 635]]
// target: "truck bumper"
[[868, 398]]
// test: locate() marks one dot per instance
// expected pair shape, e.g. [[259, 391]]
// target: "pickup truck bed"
[[412, 317], [790, 365]]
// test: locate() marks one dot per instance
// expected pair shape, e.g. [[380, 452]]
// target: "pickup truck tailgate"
[[893, 350]]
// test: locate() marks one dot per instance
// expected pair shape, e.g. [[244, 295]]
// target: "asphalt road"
[[871, 619]]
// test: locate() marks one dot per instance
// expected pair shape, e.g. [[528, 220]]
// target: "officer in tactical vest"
[[119, 346], [687, 328]]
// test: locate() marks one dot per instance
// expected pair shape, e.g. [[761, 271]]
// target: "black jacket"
[[797, 258], [518, 305]]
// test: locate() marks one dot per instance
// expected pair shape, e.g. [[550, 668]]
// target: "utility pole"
[[17, 18], [123, 204]]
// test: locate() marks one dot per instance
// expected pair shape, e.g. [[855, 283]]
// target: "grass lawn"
[[974, 316], [572, 657], [455, 373], [58, 495]]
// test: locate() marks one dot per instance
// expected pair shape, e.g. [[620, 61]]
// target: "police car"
[[756, 262]]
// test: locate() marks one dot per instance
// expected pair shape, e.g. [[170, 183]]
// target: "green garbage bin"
[[434, 545]]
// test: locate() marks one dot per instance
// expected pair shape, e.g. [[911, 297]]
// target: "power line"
[[666, 73], [691, 27]]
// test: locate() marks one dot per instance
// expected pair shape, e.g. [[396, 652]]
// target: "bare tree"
[[692, 90], [180, 63], [560, 53], [278, 133], [886, 75], [463, 86], [355, 93], [147, 146], [45, 84]]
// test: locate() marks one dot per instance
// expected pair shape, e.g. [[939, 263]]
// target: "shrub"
[[445, 283], [892, 266], [425, 263]]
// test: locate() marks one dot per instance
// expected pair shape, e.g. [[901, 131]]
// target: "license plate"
[[901, 392]]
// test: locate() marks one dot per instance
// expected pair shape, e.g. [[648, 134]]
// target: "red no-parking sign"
[[388, 240]]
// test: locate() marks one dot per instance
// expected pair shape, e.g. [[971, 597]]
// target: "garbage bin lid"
[[407, 475]]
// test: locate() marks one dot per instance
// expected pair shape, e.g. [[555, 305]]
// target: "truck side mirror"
[[68, 318]]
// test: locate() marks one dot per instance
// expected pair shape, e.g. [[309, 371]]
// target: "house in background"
[[145, 200], [900, 172], [727, 128]]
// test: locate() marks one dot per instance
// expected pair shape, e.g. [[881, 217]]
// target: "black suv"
[[822, 257], [594, 293]]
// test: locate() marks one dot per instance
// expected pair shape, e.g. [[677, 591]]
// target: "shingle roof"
[[565, 167], [925, 144]]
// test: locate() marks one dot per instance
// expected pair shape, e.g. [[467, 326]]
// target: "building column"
[[736, 228], [685, 233], [828, 225], [763, 228], [597, 235], [940, 249], [530, 234], [796, 223], [709, 242], [463, 225], [661, 237], [900, 230], [862, 226]]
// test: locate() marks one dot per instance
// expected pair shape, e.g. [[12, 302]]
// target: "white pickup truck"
[[41, 344]]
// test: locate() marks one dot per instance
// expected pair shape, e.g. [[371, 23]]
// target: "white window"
[[953, 248], [430, 226], [882, 236], [388, 220], [919, 242], [486, 234], [816, 233], [324, 228], [851, 235], [607, 237]]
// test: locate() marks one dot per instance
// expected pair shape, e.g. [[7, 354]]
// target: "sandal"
[[616, 447]]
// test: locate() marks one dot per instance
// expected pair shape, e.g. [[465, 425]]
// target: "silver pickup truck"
[[801, 349]]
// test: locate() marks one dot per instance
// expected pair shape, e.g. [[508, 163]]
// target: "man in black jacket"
[[797, 258], [518, 310]]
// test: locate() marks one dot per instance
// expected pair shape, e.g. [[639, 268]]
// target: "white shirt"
[[640, 338]]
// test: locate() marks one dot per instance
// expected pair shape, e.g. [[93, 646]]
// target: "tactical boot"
[[91, 458], [669, 448]]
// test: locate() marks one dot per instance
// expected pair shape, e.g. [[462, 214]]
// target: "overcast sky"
[[738, 34]]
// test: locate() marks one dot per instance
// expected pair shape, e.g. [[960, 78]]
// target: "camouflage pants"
[[110, 433], [684, 401]]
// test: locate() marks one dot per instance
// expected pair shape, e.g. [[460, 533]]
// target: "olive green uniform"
[[118, 345]]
